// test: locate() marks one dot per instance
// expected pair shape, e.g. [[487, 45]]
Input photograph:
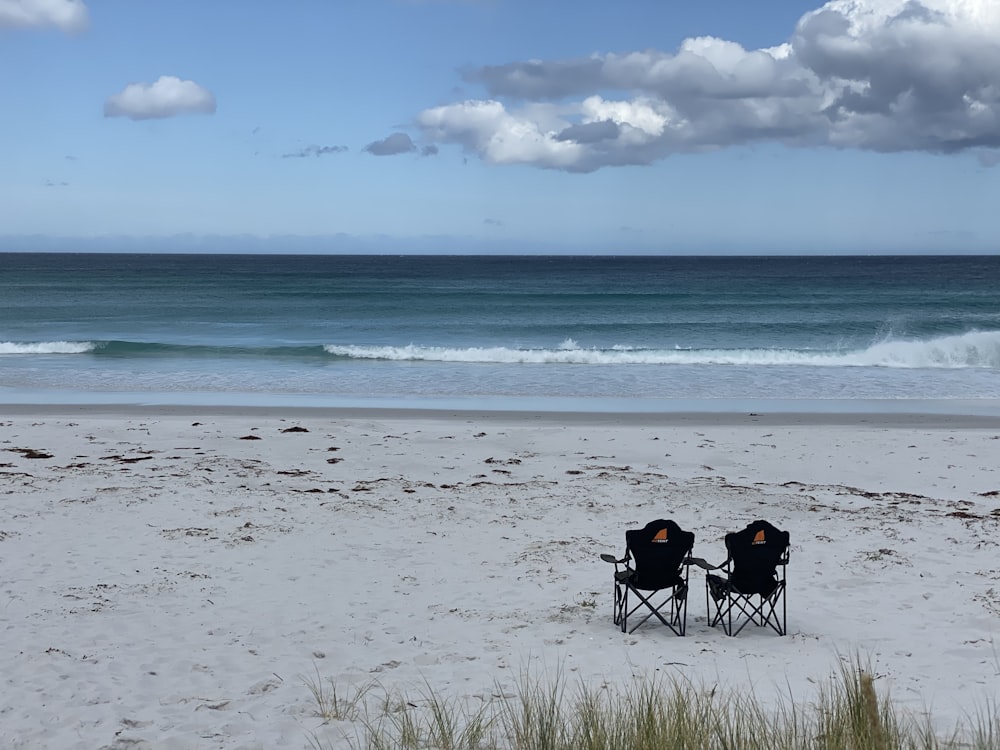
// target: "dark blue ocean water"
[[556, 332]]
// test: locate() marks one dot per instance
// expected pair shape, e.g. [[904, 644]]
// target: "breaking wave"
[[975, 349], [46, 347]]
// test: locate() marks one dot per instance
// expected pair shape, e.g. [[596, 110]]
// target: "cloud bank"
[[878, 75], [167, 97], [67, 15]]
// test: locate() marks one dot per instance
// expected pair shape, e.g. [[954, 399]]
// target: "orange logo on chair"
[[758, 538], [661, 536]]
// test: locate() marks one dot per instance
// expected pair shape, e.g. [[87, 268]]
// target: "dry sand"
[[171, 577]]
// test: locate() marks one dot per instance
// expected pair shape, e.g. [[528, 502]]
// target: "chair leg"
[[616, 606], [708, 607], [675, 618], [784, 608], [764, 612], [734, 611], [624, 617], [779, 625], [718, 617]]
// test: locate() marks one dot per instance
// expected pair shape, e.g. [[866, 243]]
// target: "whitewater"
[[973, 349]]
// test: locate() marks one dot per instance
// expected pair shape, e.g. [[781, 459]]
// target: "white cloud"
[[883, 75], [502, 137], [645, 115], [66, 15], [167, 97]]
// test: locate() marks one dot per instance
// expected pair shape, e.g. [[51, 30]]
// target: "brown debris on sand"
[[31, 452]]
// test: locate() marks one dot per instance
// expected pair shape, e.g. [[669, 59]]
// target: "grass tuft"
[[333, 703]]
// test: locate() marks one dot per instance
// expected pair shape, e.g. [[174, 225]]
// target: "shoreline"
[[886, 419]]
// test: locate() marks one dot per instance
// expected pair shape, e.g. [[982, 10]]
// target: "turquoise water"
[[533, 332]]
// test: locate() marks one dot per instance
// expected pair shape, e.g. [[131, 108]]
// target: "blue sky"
[[500, 125]]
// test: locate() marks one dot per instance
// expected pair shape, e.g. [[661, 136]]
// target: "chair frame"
[[727, 598], [671, 610]]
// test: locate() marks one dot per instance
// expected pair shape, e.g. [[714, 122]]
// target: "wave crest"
[[977, 349], [46, 347]]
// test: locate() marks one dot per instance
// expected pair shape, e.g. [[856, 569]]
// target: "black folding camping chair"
[[751, 585], [654, 570]]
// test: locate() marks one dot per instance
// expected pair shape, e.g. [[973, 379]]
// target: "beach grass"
[[850, 712], [334, 703]]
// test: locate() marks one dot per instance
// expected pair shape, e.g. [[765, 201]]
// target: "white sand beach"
[[173, 577]]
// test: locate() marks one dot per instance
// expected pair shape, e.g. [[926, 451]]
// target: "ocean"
[[495, 332]]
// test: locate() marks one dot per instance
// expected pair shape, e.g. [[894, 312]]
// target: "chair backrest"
[[756, 552], [658, 549]]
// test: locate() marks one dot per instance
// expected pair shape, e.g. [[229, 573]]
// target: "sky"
[[640, 126]]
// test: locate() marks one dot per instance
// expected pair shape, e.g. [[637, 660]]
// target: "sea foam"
[[978, 349], [46, 347]]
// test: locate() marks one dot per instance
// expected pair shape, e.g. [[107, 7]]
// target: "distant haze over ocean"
[[629, 243]]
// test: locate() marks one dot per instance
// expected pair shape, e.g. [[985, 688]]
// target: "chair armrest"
[[612, 559], [703, 564]]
